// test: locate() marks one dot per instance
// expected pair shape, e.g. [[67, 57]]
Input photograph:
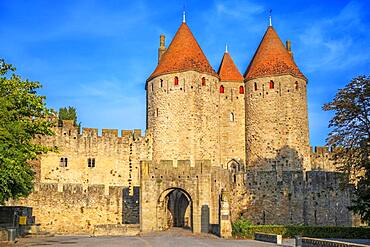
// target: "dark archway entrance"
[[178, 206], [175, 209]]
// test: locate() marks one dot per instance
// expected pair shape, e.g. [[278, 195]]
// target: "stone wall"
[[198, 142], [277, 123], [291, 197], [321, 159], [116, 158], [74, 208]]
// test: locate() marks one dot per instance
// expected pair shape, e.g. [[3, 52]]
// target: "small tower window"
[[152, 86], [241, 90], [161, 83], [255, 86], [176, 81], [222, 89], [91, 162], [156, 112], [296, 85], [203, 81], [232, 117], [63, 162], [271, 84]]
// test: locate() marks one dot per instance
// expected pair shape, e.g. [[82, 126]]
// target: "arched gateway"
[[182, 196], [174, 209]]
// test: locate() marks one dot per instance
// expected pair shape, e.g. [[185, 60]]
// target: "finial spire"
[[270, 18], [183, 16], [226, 48]]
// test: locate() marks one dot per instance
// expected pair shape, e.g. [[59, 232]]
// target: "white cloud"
[[336, 43], [238, 9]]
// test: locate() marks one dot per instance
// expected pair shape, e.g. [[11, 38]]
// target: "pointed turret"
[[272, 58], [183, 54], [228, 70], [276, 119]]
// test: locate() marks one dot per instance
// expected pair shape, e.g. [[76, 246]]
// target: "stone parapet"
[[271, 238], [313, 242]]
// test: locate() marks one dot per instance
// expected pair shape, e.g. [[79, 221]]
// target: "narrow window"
[[161, 83], [271, 84], [91, 162], [255, 86], [232, 117], [156, 112], [222, 89], [241, 90], [176, 81], [63, 162], [152, 86], [203, 81], [296, 85]]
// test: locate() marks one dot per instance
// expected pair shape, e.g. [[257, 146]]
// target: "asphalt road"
[[172, 238], [176, 237]]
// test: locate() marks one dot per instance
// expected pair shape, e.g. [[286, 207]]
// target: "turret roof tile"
[[183, 54], [228, 70], [272, 58]]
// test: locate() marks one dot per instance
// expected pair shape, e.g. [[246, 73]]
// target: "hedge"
[[306, 231]]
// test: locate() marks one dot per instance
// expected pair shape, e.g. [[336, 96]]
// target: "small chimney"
[[288, 47], [162, 48]]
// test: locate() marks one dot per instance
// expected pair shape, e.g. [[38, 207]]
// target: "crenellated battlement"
[[321, 158], [320, 150], [179, 169], [67, 128]]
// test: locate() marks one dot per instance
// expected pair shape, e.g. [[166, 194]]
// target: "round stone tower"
[[182, 105], [232, 114], [276, 120]]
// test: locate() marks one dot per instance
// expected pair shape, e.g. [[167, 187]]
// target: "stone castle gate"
[[181, 196], [174, 209]]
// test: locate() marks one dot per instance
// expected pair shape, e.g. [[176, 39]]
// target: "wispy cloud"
[[336, 42], [237, 9]]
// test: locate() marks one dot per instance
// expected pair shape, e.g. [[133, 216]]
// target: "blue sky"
[[96, 55]]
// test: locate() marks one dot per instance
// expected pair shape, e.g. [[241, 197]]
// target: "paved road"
[[172, 238]]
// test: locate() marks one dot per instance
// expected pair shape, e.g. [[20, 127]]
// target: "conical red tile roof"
[[228, 70], [183, 54], [272, 58]]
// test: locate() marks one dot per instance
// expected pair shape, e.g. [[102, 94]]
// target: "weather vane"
[[183, 14], [270, 18]]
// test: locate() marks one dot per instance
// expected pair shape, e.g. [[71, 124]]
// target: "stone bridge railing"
[[314, 242], [272, 238]]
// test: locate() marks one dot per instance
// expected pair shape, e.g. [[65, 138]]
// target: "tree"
[[69, 113], [23, 118], [350, 138]]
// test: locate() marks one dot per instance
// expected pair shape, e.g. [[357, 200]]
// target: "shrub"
[[239, 226]]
